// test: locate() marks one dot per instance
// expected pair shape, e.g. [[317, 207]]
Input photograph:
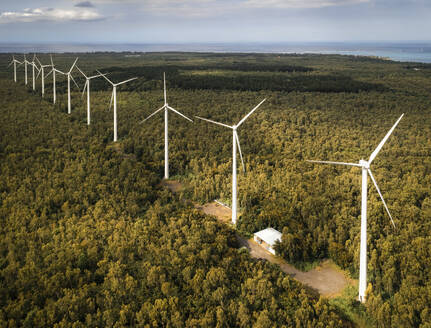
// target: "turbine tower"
[[42, 72], [87, 86], [114, 99], [70, 77], [53, 71], [235, 142], [365, 167], [14, 62], [166, 107]]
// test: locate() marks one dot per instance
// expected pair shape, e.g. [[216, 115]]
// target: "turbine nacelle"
[[363, 163]]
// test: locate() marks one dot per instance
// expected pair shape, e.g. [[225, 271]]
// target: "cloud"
[[49, 14], [84, 4]]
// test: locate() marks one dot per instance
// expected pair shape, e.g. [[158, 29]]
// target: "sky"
[[202, 21]]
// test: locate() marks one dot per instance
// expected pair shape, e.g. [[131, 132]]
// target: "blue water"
[[407, 52]]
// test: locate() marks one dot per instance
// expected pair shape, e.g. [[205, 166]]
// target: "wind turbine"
[[235, 141], [42, 72], [166, 107], [87, 86], [70, 77], [33, 64], [25, 68], [365, 167], [14, 62], [114, 98], [53, 71]]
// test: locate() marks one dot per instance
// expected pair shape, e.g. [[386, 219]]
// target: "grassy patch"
[[306, 266], [351, 308]]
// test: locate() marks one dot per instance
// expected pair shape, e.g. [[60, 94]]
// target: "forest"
[[89, 238]]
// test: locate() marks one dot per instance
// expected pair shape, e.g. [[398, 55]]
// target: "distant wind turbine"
[[33, 67], [166, 107], [54, 71], [87, 86], [235, 142], [70, 77], [114, 99], [365, 166], [26, 62], [14, 62], [42, 72]]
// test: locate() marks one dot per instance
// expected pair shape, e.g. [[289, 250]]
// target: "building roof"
[[269, 235]]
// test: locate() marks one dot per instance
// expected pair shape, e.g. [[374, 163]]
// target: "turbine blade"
[[81, 71], [83, 90], [336, 163], [104, 75], [49, 73], [94, 76], [383, 200], [211, 121], [251, 112], [240, 153], [126, 81], [74, 63], [376, 151], [174, 110], [164, 106], [10, 64], [52, 62], [112, 98], [74, 81], [164, 87], [58, 71], [38, 61], [37, 76]]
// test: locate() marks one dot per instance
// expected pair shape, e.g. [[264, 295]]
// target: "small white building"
[[267, 238]]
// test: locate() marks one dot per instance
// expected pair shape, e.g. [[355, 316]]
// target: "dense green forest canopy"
[[89, 237]]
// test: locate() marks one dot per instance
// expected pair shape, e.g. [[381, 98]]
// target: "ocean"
[[405, 52]]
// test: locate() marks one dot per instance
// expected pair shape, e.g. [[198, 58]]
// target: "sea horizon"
[[403, 51]]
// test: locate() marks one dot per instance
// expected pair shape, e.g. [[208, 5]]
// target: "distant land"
[[402, 51]]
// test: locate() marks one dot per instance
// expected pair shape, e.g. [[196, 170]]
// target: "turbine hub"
[[364, 164]]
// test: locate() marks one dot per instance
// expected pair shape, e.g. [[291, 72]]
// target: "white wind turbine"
[[235, 142], [14, 62], [42, 72], [26, 62], [114, 99], [166, 107], [365, 166], [54, 71], [70, 77], [87, 86], [33, 64]]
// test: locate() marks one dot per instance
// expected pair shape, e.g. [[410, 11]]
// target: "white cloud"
[[49, 14]]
